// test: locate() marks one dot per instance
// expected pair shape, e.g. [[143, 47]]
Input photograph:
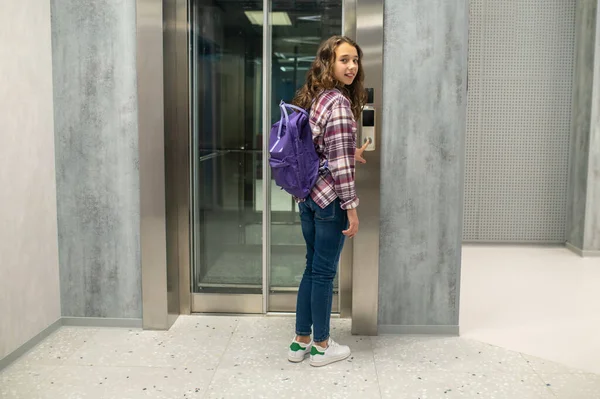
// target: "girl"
[[335, 95]]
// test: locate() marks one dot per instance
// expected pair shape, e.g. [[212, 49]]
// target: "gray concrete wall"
[[29, 278], [591, 240], [425, 71], [582, 97], [583, 228], [96, 136]]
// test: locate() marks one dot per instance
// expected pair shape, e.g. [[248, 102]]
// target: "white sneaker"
[[324, 356], [298, 351]]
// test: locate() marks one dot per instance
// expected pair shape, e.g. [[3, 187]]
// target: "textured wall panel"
[[94, 49], [424, 97], [519, 120]]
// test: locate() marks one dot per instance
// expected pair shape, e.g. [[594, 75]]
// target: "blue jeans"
[[322, 231]]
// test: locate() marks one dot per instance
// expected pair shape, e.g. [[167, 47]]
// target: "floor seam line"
[[375, 366], [538, 375], [221, 358]]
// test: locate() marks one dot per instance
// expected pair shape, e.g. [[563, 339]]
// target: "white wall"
[[29, 279]]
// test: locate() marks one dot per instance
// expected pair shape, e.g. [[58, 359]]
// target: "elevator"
[[233, 235]]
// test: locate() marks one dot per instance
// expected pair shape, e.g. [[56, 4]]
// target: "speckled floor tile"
[[573, 386], [542, 366], [453, 354], [246, 357], [128, 347], [305, 381], [264, 342], [75, 382], [204, 326], [202, 340], [398, 384], [18, 380], [59, 346], [255, 365]]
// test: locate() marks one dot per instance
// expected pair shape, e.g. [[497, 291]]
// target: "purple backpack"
[[293, 158]]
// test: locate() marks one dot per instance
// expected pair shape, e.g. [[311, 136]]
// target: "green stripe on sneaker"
[[295, 347], [314, 351]]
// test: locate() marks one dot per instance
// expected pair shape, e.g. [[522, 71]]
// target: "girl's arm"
[[340, 140]]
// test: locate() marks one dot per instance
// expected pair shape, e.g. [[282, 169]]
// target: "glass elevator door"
[[230, 272]]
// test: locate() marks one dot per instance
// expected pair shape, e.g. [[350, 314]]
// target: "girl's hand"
[[352, 223], [359, 151]]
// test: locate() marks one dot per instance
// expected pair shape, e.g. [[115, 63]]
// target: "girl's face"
[[345, 67]]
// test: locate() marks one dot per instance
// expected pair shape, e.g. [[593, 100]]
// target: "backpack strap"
[[284, 114], [282, 104]]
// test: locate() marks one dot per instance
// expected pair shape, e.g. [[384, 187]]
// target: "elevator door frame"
[[357, 297], [271, 299]]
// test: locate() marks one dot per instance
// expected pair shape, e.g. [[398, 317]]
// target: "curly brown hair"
[[321, 77]]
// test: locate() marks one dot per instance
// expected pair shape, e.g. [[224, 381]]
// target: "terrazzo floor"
[[245, 357]]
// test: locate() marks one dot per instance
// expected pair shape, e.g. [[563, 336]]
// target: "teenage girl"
[[335, 95]]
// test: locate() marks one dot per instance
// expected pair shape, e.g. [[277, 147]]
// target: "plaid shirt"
[[334, 133]]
